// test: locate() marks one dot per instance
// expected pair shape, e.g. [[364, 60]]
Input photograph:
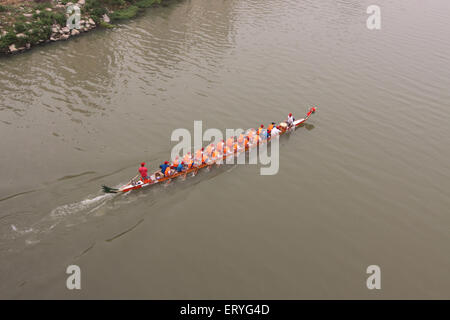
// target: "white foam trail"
[[69, 209]]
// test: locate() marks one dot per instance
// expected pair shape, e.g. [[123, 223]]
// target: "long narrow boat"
[[138, 184]]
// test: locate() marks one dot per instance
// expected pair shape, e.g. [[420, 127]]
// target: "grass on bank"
[[21, 30]]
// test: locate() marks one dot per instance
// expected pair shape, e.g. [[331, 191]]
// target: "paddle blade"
[[107, 189]]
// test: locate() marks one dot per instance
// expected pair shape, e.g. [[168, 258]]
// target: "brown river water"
[[366, 182]]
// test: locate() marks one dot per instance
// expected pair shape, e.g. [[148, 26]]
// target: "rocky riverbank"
[[25, 24]]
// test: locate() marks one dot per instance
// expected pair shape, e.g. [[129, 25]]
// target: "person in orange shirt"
[[246, 142], [175, 162], [230, 142], [256, 139], [214, 155], [167, 172], [241, 139], [188, 160], [260, 129], [220, 146], [209, 149], [269, 129], [199, 156]]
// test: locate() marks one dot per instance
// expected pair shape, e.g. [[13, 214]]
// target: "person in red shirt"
[[143, 171]]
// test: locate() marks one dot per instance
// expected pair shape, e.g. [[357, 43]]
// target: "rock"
[[20, 35], [60, 6], [28, 45], [48, 9], [75, 32], [38, 11], [65, 37], [55, 30], [106, 18], [91, 21], [68, 4], [52, 38], [27, 15], [82, 22], [81, 2], [12, 48], [65, 30]]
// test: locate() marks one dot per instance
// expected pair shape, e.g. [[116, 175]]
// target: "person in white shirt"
[[290, 120], [275, 131]]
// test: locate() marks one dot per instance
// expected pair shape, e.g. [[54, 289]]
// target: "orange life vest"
[[167, 172], [198, 154], [230, 142], [241, 138], [235, 147], [209, 149], [270, 128], [220, 146], [259, 130]]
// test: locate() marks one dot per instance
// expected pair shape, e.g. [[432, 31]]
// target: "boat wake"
[[67, 215]]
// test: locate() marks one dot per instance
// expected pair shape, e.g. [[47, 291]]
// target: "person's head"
[[273, 123], [166, 162], [290, 114], [142, 164], [262, 126]]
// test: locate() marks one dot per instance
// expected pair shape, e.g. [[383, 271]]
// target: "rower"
[[290, 120], [143, 171], [220, 146], [275, 131], [241, 139], [246, 143], [199, 156], [164, 166], [260, 129], [175, 162], [250, 134], [230, 142], [188, 160], [269, 129], [209, 149], [167, 172], [180, 166]]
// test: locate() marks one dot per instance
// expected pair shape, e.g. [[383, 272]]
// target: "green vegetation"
[[27, 22], [123, 14], [42, 6], [7, 40], [20, 27], [146, 3]]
